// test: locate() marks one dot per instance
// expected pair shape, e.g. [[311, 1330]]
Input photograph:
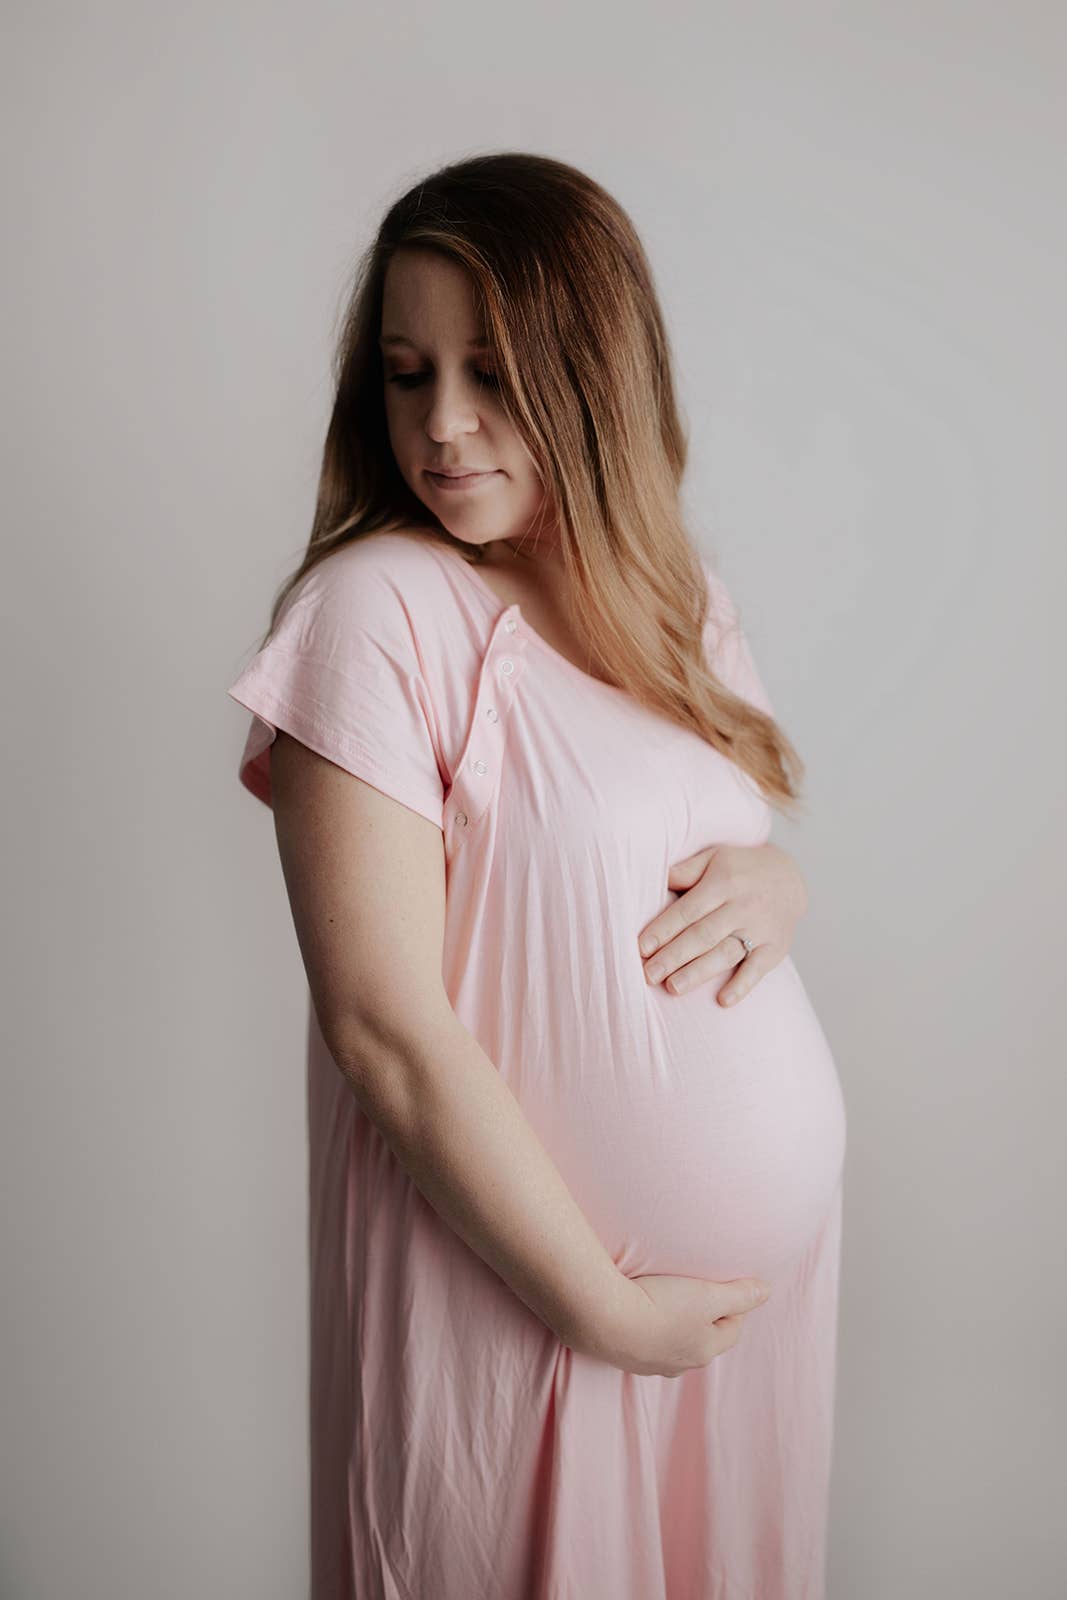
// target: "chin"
[[464, 534]]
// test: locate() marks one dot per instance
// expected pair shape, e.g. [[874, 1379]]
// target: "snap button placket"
[[482, 760]]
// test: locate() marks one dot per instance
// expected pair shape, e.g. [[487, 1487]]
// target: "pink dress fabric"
[[459, 1451]]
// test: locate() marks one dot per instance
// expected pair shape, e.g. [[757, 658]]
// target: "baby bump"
[[708, 1141]]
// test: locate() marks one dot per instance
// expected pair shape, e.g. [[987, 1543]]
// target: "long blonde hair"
[[583, 368]]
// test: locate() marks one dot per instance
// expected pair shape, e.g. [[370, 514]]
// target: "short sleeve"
[[727, 647], [343, 673]]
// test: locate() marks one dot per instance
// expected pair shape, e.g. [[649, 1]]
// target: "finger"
[[755, 966], [693, 973], [728, 1329], [708, 935], [684, 874], [678, 916]]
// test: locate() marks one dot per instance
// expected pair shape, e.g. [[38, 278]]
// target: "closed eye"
[[410, 380]]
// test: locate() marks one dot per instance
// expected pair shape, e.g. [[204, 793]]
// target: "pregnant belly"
[[702, 1140]]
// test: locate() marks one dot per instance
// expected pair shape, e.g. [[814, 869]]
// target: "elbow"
[[386, 1052]]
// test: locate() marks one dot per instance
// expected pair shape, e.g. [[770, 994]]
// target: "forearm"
[[459, 1132]]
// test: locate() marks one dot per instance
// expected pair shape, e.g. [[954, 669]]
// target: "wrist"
[[608, 1330]]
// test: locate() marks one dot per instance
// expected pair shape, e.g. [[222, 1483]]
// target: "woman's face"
[[443, 411]]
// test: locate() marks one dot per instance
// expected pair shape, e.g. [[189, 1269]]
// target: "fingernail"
[[648, 945]]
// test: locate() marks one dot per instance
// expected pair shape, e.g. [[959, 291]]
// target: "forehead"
[[428, 299]]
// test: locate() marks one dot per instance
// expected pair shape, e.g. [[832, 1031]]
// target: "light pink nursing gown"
[[458, 1450]]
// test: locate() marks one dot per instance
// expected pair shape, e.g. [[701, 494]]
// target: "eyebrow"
[[399, 338]]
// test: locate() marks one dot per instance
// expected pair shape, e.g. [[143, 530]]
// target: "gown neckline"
[[475, 578]]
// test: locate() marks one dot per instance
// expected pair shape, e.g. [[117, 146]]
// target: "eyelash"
[[408, 380]]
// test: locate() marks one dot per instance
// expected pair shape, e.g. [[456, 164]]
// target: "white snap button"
[[507, 665], [461, 818], [480, 766], [510, 624], [490, 712]]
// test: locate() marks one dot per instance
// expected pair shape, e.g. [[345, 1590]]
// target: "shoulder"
[[373, 565], [390, 585], [393, 602], [343, 673]]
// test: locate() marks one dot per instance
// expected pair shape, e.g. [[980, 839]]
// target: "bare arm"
[[365, 877]]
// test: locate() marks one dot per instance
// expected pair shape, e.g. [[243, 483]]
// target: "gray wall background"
[[856, 219]]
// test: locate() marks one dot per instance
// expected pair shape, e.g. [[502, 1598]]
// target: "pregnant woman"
[[511, 732]]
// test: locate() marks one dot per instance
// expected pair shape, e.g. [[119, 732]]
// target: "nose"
[[450, 413]]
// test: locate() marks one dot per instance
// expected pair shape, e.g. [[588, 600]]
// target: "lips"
[[459, 472], [462, 482]]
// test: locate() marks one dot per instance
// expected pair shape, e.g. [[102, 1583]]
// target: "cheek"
[[521, 470], [403, 441], [394, 421]]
